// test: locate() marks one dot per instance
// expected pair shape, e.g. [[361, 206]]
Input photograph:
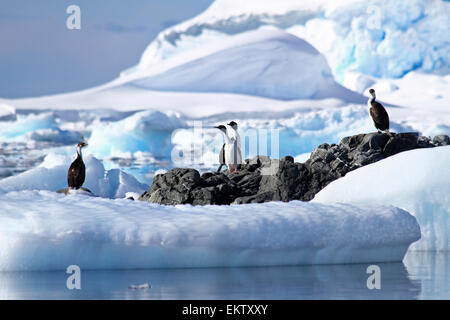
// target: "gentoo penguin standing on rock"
[[77, 170], [236, 136], [379, 114], [230, 155]]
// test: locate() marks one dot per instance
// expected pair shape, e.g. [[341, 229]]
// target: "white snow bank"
[[52, 175], [48, 231], [417, 181], [266, 63], [143, 131]]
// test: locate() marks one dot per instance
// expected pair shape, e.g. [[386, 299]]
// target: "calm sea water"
[[422, 275]]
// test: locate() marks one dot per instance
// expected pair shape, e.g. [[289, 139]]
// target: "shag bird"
[[379, 114], [230, 155], [77, 170]]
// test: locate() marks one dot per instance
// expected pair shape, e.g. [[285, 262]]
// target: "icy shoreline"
[[417, 181], [51, 231]]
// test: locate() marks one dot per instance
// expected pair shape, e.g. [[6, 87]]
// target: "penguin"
[[231, 152], [236, 136], [77, 170], [378, 114], [221, 157]]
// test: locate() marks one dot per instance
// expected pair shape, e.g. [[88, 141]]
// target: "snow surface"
[[51, 174], [50, 231], [379, 38], [417, 181], [266, 63]]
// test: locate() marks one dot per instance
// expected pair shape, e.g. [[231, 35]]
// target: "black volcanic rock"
[[262, 179], [441, 140]]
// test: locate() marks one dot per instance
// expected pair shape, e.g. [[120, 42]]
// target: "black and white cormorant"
[[77, 170], [378, 113]]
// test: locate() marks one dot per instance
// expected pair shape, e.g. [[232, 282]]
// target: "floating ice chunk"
[[55, 135], [46, 231], [26, 124], [143, 286], [417, 181], [143, 131], [52, 175]]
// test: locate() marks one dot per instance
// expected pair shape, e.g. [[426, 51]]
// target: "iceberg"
[[38, 127], [51, 175], [142, 131], [378, 38], [51, 231], [27, 124], [268, 63], [417, 181]]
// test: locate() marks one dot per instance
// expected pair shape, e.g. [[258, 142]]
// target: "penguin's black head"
[[233, 124], [222, 128]]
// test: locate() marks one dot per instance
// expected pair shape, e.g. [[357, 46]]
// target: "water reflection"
[[296, 282], [432, 269]]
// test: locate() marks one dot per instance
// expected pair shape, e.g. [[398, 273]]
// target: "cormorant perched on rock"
[[77, 170], [379, 114], [230, 155]]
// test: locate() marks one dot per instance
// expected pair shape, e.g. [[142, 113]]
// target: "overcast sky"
[[40, 56]]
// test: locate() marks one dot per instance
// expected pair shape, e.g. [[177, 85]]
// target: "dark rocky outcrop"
[[262, 179]]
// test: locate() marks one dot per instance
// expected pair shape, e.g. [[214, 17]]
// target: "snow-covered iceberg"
[[51, 175], [49, 231], [143, 131], [40, 127], [417, 181], [379, 38], [265, 63]]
